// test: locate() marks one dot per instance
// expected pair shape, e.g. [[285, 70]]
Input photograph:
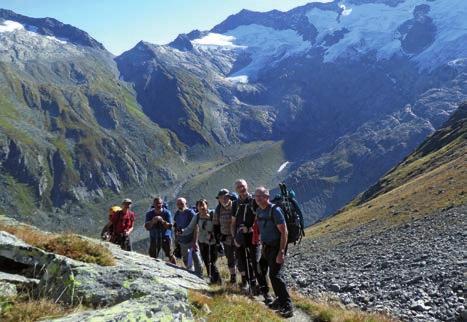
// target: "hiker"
[[222, 221], [185, 223], [248, 250], [122, 225], [273, 231], [207, 240], [159, 224], [106, 233]]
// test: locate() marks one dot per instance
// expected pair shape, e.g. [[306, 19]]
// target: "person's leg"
[[125, 243], [241, 262], [264, 288], [130, 246], [251, 262], [152, 248], [277, 278], [215, 276], [167, 247], [260, 278], [231, 260], [197, 262], [204, 250], [184, 251]]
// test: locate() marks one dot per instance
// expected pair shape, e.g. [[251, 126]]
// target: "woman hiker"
[[207, 241]]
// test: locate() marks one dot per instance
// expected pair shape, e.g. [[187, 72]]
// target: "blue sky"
[[120, 24]]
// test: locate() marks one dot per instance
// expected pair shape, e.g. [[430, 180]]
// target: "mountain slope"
[[349, 93], [70, 130], [431, 178], [341, 106], [398, 247]]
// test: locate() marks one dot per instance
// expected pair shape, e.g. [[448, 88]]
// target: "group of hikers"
[[251, 231]]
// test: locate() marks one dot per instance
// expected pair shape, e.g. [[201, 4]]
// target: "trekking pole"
[[248, 272], [209, 260]]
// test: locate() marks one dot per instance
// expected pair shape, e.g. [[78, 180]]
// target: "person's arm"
[[132, 224], [216, 222], [148, 222], [232, 226], [169, 221], [282, 227], [283, 244], [233, 222]]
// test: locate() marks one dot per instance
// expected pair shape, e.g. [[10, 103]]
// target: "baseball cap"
[[222, 192]]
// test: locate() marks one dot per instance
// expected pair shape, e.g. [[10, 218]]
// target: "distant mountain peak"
[[52, 28], [182, 42]]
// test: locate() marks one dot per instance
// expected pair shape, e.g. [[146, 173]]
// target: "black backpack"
[[292, 215]]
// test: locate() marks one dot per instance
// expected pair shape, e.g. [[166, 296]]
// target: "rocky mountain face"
[[398, 247], [71, 131], [349, 93], [344, 94]]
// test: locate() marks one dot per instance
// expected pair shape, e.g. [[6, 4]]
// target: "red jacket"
[[122, 222], [256, 237]]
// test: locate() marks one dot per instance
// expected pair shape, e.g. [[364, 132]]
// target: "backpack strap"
[[270, 215]]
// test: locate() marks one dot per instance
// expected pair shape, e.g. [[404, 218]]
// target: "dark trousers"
[[248, 257], [268, 262], [229, 250], [209, 256], [123, 241], [156, 244]]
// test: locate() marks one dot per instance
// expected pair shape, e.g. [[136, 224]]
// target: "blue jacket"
[[158, 231]]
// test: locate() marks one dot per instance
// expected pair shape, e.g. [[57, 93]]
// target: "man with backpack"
[[106, 233], [248, 250], [159, 224], [122, 225], [185, 233], [222, 221], [274, 233]]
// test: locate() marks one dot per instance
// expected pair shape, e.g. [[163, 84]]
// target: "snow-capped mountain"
[[350, 86], [48, 27], [326, 96], [429, 33]]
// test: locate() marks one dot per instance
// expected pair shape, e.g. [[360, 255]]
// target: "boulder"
[[7, 290], [136, 286], [18, 280]]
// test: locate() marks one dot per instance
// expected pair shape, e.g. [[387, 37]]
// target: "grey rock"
[[18, 280], [335, 287], [412, 293], [135, 285], [8, 289]]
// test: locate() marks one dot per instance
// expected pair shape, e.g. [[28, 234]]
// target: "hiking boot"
[[245, 287], [256, 290], [267, 299], [275, 305], [286, 311]]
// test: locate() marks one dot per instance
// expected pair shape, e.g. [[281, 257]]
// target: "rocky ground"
[[136, 288], [416, 272]]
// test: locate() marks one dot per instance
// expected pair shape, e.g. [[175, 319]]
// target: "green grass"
[[259, 168], [325, 311], [23, 195], [228, 305], [23, 308], [69, 245]]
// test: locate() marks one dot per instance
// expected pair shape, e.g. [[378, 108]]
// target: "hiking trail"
[[298, 314]]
